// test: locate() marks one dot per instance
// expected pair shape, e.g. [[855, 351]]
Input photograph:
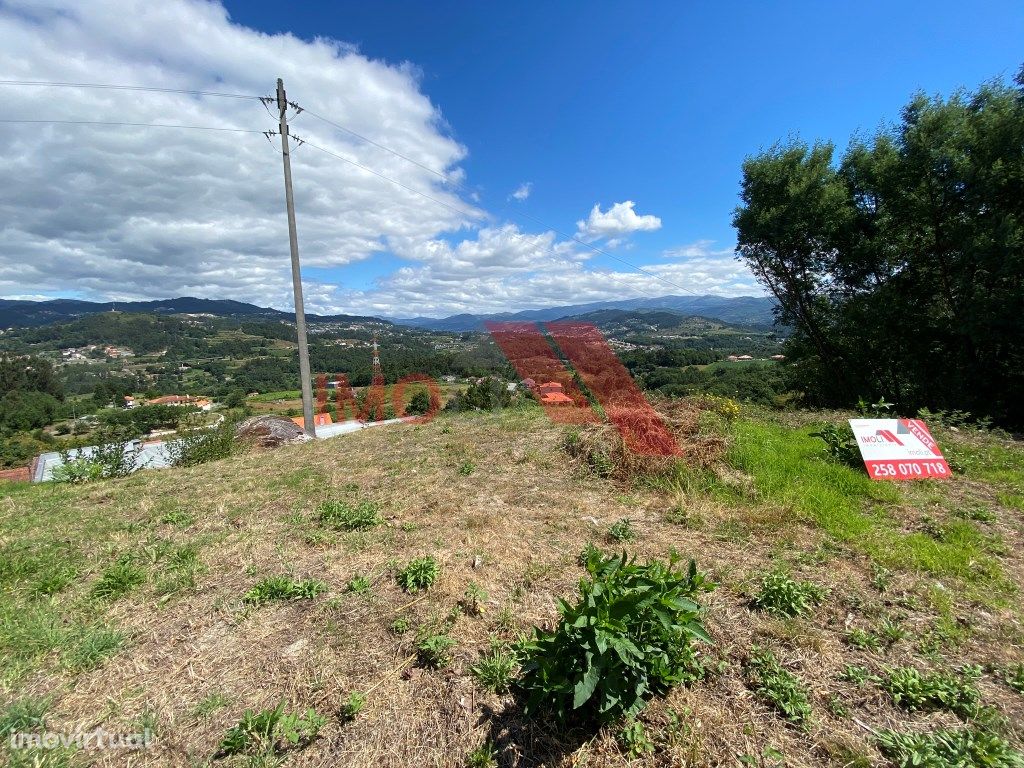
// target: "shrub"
[[420, 573], [629, 637], [947, 748], [723, 406], [115, 455], [840, 444], [348, 516], [622, 530], [198, 445], [783, 596], [955, 692], [778, 687], [283, 588], [496, 669], [270, 731]]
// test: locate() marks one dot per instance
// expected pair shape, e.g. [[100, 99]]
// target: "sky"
[[475, 157]]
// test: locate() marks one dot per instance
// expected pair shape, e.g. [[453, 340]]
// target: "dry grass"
[[514, 525]]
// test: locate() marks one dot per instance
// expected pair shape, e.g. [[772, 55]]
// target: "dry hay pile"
[[699, 443]]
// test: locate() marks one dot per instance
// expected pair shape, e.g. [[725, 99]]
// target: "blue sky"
[[631, 118], [659, 102]]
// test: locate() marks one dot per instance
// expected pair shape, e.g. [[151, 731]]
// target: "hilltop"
[[129, 593]]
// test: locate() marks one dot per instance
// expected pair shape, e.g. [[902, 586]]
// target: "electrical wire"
[[112, 87], [136, 125]]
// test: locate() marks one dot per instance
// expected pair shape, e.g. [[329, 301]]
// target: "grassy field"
[[174, 601]]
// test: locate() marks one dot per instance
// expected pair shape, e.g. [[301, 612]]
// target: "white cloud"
[[121, 212], [522, 191], [618, 221], [117, 213], [696, 250]]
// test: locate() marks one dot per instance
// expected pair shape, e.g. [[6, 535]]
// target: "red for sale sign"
[[899, 449]]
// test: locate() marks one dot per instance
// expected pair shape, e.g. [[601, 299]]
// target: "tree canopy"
[[900, 267]]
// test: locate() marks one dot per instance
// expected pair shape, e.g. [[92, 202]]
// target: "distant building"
[[744, 357], [778, 357], [550, 388], [180, 400]]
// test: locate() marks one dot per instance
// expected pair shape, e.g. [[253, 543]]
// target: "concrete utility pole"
[[305, 379]]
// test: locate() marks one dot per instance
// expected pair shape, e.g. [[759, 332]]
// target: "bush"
[[783, 596], [113, 456], [198, 445], [840, 444], [630, 637]]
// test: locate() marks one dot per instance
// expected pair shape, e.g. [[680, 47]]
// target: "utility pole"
[[305, 380]]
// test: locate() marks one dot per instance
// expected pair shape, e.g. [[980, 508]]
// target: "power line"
[[448, 180], [112, 87], [136, 125]]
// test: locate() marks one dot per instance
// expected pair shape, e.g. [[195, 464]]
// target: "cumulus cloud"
[[131, 212], [617, 222], [522, 191], [118, 213]]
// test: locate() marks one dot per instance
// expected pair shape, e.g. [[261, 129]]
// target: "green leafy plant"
[[348, 516], [783, 596], [778, 687], [354, 704], [622, 530], [497, 667], [466, 467], [633, 739], [856, 674], [198, 443], [953, 691], [271, 731], [359, 584], [629, 637], [862, 640], [115, 455], [1013, 676], [474, 598], [400, 626], [433, 650], [283, 588], [484, 756], [419, 573], [840, 444], [949, 748]]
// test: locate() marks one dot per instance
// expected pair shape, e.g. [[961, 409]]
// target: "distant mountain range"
[[32, 313], [753, 311], [743, 310]]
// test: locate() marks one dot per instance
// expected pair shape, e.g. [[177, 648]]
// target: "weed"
[[783, 596], [419, 573], [633, 738], [856, 674], [199, 444], [433, 650], [628, 638], [496, 669], [271, 731], [400, 626], [778, 687], [354, 704], [955, 692], [179, 518], [119, 579], [975, 512], [484, 756], [588, 552], [348, 516], [359, 584], [1013, 676], [862, 640], [282, 588], [840, 444], [946, 748], [890, 632], [474, 598], [210, 704], [466, 467], [622, 530], [837, 707], [881, 577]]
